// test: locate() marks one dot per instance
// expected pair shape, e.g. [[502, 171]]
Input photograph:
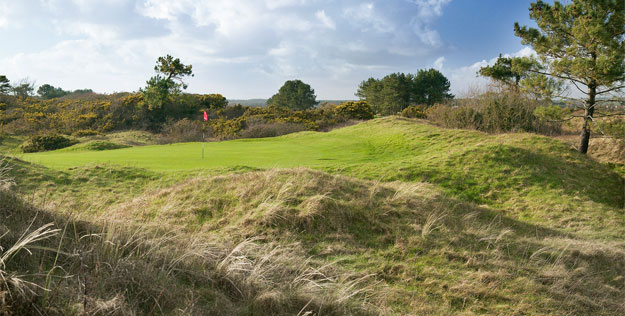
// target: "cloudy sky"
[[248, 48]]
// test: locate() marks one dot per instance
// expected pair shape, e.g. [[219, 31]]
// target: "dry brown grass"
[[304, 242], [409, 236], [116, 268]]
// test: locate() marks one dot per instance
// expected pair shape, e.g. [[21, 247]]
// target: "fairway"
[[356, 144]]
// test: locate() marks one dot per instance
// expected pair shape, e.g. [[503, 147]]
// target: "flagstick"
[[202, 145]]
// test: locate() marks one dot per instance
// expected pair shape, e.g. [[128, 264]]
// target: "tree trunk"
[[589, 111]]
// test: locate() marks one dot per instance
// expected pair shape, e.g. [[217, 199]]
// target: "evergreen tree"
[[47, 91], [397, 91], [295, 95], [5, 86], [583, 42], [161, 89], [430, 87]]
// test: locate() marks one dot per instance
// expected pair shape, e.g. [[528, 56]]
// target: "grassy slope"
[[522, 173], [548, 238], [431, 254]]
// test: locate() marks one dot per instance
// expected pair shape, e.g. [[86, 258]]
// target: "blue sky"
[[248, 48]]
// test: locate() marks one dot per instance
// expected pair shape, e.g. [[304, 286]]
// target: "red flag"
[[205, 116]]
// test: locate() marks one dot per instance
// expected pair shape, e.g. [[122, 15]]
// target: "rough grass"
[[506, 224], [425, 253], [113, 268], [534, 177]]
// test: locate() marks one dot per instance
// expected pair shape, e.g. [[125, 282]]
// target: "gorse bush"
[[46, 142], [414, 111], [251, 122], [359, 110], [179, 119], [87, 113]]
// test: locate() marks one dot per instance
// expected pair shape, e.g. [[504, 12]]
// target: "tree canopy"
[[522, 74], [173, 69], [167, 82], [161, 89], [582, 42], [23, 89], [295, 95], [5, 86], [508, 70], [397, 91], [47, 91], [431, 87]]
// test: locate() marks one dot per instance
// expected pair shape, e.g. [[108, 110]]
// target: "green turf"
[[527, 226], [304, 149], [522, 173]]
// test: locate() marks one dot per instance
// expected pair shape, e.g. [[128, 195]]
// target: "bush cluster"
[[613, 128], [183, 131], [254, 122], [260, 129], [88, 114], [496, 113], [46, 142], [414, 111], [359, 110]]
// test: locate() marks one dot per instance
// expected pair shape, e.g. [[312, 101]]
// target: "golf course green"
[[356, 144]]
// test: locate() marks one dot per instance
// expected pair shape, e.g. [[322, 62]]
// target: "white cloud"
[[325, 19], [439, 63], [366, 15], [237, 47], [525, 52], [426, 35], [429, 9], [5, 13], [276, 4]]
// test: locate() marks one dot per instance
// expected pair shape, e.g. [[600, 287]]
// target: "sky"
[[247, 49]]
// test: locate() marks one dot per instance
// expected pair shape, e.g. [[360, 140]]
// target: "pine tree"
[[583, 42]]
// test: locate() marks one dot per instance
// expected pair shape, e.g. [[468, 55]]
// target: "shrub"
[[414, 111], [46, 142], [184, 130], [224, 129], [359, 110], [455, 117], [104, 145], [85, 132], [260, 129], [613, 128], [550, 113], [496, 113]]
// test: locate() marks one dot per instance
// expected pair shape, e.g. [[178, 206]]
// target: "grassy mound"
[[390, 216], [428, 252], [536, 178], [54, 265], [96, 145]]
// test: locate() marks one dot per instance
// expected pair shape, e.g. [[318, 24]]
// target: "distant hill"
[[248, 102]]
